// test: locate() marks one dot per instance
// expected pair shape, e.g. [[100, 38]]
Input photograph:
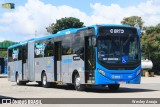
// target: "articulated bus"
[[104, 55]]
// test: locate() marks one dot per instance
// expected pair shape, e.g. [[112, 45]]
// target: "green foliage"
[[152, 29], [64, 23], [132, 21], [3, 46], [155, 56], [3, 54], [151, 45]]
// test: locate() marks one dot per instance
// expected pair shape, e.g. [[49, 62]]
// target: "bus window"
[[49, 49], [66, 45]]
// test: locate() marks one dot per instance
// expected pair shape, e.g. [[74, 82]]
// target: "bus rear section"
[[118, 58]]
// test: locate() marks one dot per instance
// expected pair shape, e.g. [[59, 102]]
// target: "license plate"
[[122, 82]]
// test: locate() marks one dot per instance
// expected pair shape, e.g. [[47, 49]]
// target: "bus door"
[[57, 61], [24, 60], [89, 58]]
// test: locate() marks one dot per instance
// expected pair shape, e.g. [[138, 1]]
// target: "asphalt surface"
[[149, 88]]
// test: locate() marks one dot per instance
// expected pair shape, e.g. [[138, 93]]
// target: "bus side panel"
[[30, 61], [18, 68], [11, 71], [14, 67], [44, 64], [49, 67], [39, 67], [25, 72], [76, 64], [65, 69]]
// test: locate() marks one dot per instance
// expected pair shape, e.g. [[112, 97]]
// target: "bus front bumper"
[[117, 79]]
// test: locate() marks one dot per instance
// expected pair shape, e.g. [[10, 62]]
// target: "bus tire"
[[113, 87], [77, 85], [18, 81], [70, 85], [45, 84], [39, 83]]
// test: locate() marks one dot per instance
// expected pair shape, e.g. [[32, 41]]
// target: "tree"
[[132, 21], [64, 23], [3, 54], [151, 40], [6, 43], [151, 45], [152, 29]]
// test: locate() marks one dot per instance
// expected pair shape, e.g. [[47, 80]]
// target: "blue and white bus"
[[106, 55]]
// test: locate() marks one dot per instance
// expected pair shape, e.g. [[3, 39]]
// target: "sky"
[[20, 24]]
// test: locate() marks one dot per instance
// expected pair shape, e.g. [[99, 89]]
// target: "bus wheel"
[[113, 87], [77, 84], [45, 84], [39, 83]]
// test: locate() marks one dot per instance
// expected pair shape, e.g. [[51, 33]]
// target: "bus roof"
[[21, 43], [63, 32]]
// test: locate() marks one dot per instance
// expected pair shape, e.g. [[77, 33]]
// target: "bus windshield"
[[118, 49]]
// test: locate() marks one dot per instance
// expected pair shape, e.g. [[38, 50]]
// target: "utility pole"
[[35, 33]]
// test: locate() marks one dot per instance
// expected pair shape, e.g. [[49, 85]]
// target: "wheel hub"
[[44, 80], [17, 79], [78, 81]]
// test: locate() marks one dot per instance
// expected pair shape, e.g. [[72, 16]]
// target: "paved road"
[[149, 88]]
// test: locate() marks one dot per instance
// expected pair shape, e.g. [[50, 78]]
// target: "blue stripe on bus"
[[66, 61], [48, 66], [83, 69], [71, 31]]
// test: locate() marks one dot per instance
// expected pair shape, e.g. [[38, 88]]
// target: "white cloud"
[[149, 12], [36, 16], [1, 39]]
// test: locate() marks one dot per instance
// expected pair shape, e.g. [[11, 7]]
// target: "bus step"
[[59, 82], [91, 78], [90, 82]]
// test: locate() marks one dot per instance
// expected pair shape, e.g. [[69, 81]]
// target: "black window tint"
[[49, 49], [78, 44], [20, 53], [10, 59], [66, 45], [24, 53], [15, 54]]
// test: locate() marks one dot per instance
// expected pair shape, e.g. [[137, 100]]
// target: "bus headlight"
[[138, 72], [101, 72]]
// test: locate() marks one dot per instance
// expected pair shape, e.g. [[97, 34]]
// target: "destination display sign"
[[116, 31]]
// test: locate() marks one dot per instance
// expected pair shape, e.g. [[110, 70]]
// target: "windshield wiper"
[[127, 39]]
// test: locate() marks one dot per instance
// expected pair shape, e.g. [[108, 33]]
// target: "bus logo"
[[116, 30]]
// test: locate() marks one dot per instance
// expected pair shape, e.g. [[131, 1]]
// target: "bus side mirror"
[[94, 42]]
